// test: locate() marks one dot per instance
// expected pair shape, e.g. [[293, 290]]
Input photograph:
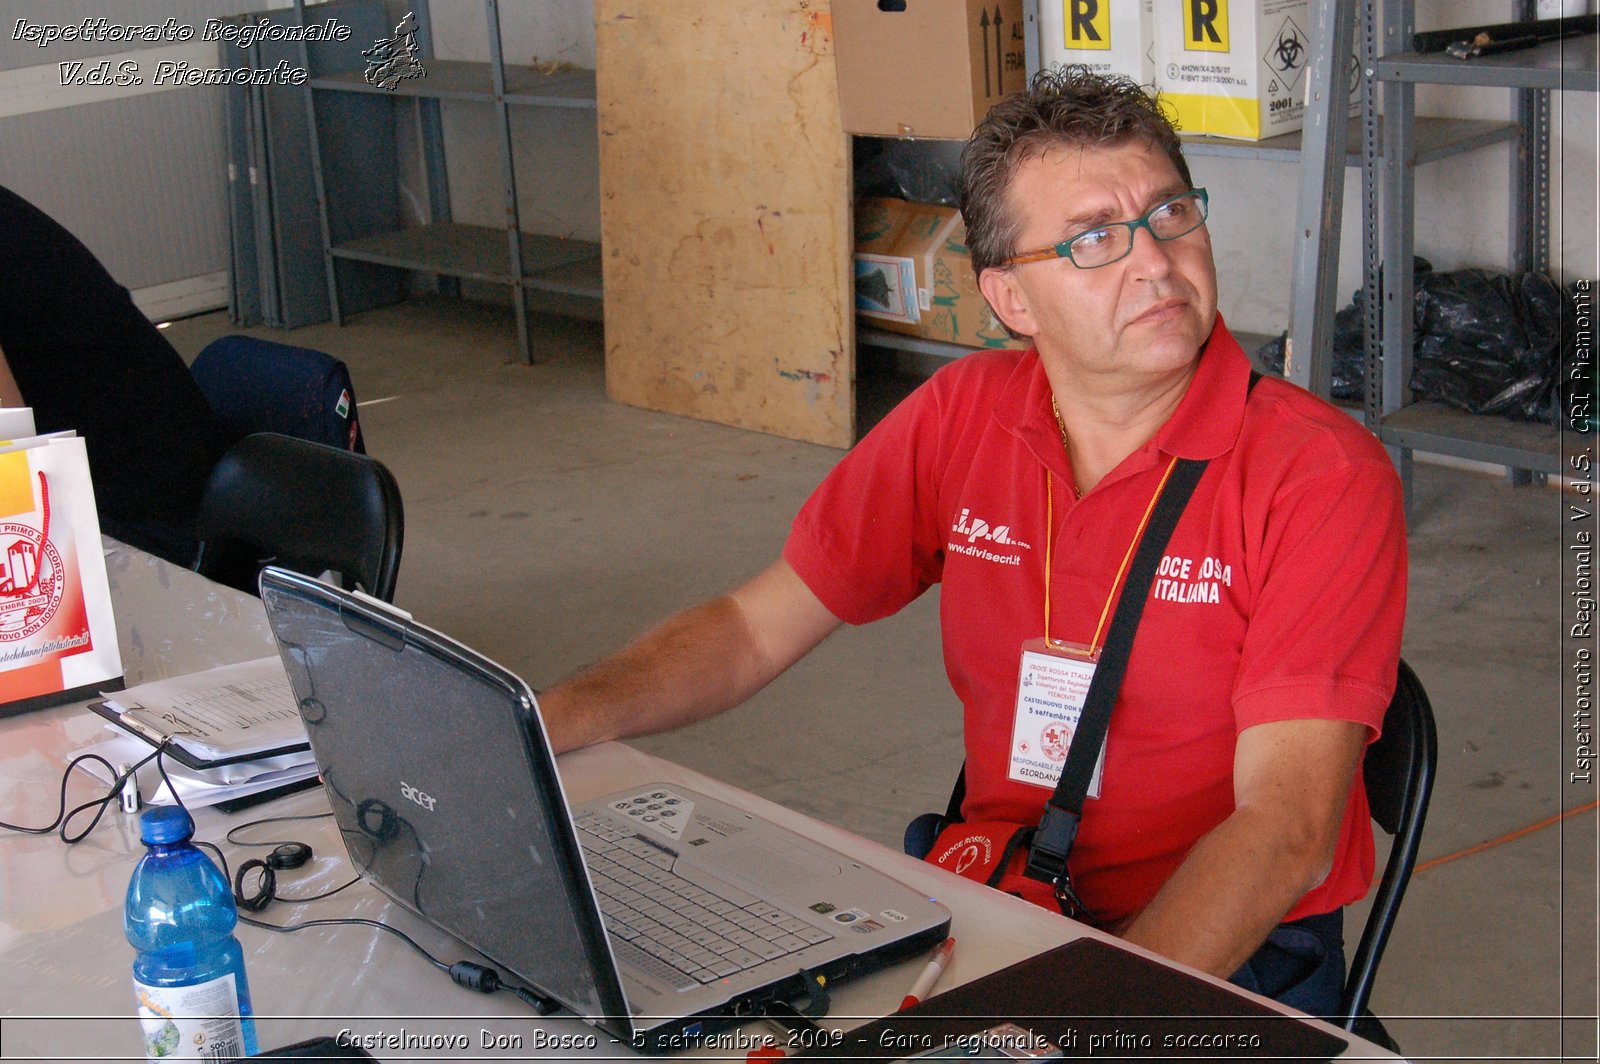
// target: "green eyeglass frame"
[[1064, 250]]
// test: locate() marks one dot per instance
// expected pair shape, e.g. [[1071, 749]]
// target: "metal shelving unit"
[[523, 261], [1336, 24], [1525, 449]]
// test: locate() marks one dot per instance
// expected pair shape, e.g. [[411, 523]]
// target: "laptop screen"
[[443, 799]]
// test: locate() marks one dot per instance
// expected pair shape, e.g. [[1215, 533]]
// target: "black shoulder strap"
[[1047, 857]]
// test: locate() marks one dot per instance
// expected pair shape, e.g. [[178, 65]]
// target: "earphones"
[[377, 818], [288, 856]]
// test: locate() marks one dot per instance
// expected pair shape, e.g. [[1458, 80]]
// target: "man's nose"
[[1149, 257]]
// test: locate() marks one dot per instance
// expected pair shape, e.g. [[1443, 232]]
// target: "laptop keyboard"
[[676, 930]]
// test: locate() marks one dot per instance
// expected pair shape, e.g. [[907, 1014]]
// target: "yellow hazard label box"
[[1107, 36], [1234, 68]]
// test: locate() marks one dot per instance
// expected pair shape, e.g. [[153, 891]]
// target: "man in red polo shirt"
[[1229, 826]]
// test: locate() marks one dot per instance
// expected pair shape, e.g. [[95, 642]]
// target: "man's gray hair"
[[1063, 106]]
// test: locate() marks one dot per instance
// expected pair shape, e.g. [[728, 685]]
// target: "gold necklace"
[[1061, 424]]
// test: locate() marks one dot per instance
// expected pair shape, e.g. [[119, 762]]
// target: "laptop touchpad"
[[762, 864]]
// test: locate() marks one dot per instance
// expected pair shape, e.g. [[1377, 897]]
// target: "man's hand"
[[693, 665], [1291, 782]]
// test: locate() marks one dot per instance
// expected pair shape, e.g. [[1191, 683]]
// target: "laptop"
[[658, 914]]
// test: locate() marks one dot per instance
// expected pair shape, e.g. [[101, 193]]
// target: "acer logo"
[[411, 794]]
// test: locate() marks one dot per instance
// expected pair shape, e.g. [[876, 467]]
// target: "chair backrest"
[[1398, 772], [260, 386], [302, 505]]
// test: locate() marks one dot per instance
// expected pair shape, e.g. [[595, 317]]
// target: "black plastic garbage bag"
[[1491, 343], [1484, 342], [1349, 354]]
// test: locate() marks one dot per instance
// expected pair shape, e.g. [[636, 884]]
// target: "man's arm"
[[693, 665], [1291, 781]]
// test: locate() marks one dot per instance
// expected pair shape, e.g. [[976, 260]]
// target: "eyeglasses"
[[1105, 244]]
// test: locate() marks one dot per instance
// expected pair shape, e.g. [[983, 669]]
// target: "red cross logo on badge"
[[1054, 740]]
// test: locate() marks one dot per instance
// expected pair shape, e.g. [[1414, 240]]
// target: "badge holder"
[[1052, 684]]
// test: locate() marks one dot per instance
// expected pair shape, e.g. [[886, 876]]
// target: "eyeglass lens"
[[1178, 216]]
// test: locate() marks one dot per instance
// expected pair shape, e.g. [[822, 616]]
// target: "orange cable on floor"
[[1480, 847]]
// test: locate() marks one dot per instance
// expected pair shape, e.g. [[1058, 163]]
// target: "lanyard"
[[1049, 553]]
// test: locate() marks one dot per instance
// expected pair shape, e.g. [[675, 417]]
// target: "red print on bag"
[[967, 852], [30, 581]]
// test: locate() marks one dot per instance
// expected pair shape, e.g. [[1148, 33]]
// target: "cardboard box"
[[1233, 68], [913, 274], [1107, 36], [932, 69]]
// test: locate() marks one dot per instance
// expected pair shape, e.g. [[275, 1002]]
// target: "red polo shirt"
[[1281, 595]]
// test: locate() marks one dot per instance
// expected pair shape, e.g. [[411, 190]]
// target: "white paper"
[[228, 711], [16, 422], [197, 787]]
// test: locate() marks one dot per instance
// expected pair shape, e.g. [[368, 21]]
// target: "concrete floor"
[[546, 525]]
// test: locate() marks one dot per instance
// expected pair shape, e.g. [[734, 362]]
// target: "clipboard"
[[182, 754], [1088, 998]]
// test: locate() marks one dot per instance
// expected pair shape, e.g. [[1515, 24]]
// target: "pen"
[[930, 973]]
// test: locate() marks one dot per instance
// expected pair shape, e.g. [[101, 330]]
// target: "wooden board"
[[725, 214]]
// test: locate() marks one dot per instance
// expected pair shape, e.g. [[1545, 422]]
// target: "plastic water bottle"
[[188, 975]]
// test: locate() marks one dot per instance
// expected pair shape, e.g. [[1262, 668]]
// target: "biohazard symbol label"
[[30, 581], [1287, 54]]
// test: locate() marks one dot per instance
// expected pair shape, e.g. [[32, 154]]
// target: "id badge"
[[1052, 684]]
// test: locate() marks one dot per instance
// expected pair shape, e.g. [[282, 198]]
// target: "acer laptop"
[[657, 913]]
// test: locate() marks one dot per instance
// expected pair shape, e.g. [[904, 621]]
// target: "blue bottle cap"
[[165, 824]]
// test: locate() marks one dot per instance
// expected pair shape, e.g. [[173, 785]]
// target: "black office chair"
[[1398, 772], [274, 499]]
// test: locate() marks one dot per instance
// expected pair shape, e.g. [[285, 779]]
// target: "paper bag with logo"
[[58, 639]]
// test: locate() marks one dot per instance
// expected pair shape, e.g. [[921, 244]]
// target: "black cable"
[[348, 920], [273, 895], [229, 837], [64, 816], [346, 885], [288, 928], [465, 973]]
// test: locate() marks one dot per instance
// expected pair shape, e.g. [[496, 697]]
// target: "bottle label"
[[196, 1022]]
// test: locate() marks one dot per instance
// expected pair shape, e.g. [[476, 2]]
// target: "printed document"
[[229, 711]]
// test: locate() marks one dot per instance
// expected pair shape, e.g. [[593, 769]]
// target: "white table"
[[66, 963]]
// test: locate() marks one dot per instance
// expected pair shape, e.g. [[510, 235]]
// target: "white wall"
[[556, 149], [1463, 210]]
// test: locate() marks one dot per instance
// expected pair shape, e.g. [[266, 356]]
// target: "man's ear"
[[1007, 300]]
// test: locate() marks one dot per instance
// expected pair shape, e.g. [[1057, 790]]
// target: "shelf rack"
[[451, 250], [1316, 253], [1527, 450]]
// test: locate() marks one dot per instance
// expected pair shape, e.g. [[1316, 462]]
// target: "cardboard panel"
[[725, 214], [931, 68]]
